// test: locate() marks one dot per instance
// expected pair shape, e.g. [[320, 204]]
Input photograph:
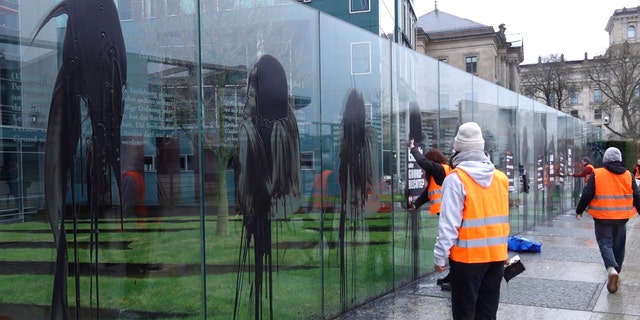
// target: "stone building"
[[470, 46], [579, 95], [623, 26]]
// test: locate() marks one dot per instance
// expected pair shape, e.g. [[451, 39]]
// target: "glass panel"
[[550, 175], [565, 142], [263, 128], [507, 159], [528, 173], [360, 227], [427, 99]]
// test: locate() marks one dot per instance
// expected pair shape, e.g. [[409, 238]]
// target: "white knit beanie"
[[469, 137], [612, 154]]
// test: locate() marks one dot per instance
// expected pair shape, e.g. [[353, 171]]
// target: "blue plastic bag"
[[522, 244]]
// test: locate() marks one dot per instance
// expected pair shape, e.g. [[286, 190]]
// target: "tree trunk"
[[222, 222]]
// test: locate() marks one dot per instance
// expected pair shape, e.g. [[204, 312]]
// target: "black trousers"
[[475, 289]]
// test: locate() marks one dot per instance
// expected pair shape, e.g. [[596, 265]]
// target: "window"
[[186, 162], [173, 8], [306, 160], [472, 64], [573, 97], [597, 95], [360, 58], [359, 6], [574, 113], [407, 69], [631, 32], [149, 163], [188, 6], [597, 113], [140, 9], [154, 8], [124, 10], [137, 9]]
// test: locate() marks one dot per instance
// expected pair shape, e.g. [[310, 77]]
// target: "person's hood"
[[616, 167], [477, 165]]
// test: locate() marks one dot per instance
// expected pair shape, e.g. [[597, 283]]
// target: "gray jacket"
[[478, 166]]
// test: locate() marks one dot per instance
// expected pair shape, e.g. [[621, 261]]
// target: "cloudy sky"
[[547, 27]]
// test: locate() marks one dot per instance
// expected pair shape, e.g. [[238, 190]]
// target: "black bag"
[[513, 269]]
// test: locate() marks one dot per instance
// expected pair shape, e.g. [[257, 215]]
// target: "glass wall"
[[260, 167]]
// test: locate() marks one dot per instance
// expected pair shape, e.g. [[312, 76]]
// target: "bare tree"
[[548, 81], [173, 73], [226, 57], [617, 76]]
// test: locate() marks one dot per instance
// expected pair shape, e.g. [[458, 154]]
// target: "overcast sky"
[[570, 27]]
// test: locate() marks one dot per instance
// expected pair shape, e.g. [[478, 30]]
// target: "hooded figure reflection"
[[359, 185], [267, 174], [93, 70]]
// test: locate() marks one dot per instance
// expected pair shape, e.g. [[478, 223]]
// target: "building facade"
[[392, 19], [471, 46], [578, 88], [623, 26]]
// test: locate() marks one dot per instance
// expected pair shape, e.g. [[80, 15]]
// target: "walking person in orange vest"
[[473, 227], [636, 172], [587, 170], [436, 167], [612, 197]]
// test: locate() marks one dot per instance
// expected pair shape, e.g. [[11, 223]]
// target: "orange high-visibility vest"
[[140, 207], [321, 198], [484, 232], [586, 178], [435, 192], [613, 198]]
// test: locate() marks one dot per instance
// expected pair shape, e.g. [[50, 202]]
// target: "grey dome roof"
[[438, 21]]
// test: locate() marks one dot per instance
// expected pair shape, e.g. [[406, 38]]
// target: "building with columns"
[[578, 94]]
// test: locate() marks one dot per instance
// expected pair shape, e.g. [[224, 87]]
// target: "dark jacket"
[[433, 169], [589, 189]]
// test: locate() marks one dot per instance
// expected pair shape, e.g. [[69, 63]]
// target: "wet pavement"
[[567, 280]]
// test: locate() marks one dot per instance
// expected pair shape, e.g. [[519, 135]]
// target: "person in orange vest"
[[133, 194], [612, 197], [322, 197], [587, 170], [436, 167], [473, 227], [636, 172]]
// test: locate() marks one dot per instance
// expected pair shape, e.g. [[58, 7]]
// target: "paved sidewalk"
[[566, 281]]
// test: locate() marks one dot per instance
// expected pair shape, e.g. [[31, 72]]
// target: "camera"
[[606, 120]]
